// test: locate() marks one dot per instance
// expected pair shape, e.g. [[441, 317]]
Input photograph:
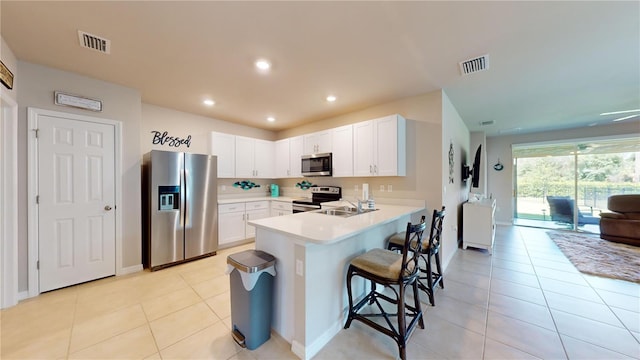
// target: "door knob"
[[107, 207]]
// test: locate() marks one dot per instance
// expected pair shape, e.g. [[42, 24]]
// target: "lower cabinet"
[[280, 208], [478, 224], [233, 218]]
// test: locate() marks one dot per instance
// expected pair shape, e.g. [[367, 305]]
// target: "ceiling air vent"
[[487, 123], [94, 42], [474, 65]]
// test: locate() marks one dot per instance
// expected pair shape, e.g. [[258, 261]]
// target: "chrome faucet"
[[358, 207]]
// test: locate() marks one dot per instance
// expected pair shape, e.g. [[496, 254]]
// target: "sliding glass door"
[[566, 185]]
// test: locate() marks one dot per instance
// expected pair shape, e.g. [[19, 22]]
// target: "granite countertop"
[[319, 228], [256, 198]]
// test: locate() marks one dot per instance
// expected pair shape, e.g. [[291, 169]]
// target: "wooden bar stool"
[[430, 249], [392, 270]]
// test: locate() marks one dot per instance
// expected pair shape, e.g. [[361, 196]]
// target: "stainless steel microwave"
[[317, 164]]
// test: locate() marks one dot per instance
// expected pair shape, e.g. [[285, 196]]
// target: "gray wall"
[[37, 85], [500, 183]]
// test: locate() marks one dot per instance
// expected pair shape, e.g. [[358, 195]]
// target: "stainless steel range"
[[319, 194]]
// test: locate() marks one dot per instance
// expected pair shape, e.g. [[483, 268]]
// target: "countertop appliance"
[[317, 164], [319, 194], [180, 212], [275, 190]]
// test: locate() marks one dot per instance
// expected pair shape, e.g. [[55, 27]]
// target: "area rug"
[[592, 255]]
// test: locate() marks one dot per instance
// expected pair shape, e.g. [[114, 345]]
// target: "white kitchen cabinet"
[[288, 154], [478, 224], [342, 149], [224, 147], [379, 147], [254, 158], [231, 223], [318, 142], [255, 210], [280, 208]]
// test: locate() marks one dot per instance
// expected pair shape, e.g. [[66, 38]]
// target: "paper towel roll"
[[365, 192]]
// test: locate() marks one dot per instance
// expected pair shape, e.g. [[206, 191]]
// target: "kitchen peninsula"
[[313, 251]]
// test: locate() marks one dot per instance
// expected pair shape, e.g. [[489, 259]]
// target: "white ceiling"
[[553, 65]]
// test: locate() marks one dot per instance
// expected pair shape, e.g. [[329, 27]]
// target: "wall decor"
[[6, 76], [498, 166], [80, 102], [162, 138], [304, 185], [451, 162], [246, 185]]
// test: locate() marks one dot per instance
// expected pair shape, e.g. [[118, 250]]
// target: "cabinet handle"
[[375, 169]]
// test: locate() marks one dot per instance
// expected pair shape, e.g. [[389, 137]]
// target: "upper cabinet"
[[288, 157], [224, 147], [318, 142], [254, 158], [379, 147], [342, 149]]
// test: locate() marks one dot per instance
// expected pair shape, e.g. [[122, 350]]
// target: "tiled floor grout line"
[[544, 296]]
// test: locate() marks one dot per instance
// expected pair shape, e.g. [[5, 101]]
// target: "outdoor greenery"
[[599, 176]]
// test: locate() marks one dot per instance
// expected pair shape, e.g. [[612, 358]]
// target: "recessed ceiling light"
[[331, 98], [271, 119], [263, 64], [209, 102], [621, 112]]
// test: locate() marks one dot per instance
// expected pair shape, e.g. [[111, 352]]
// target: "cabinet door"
[[255, 215], [245, 157], [263, 159], [224, 147], [342, 149], [363, 150], [282, 159], [386, 146], [295, 156], [318, 142], [231, 227]]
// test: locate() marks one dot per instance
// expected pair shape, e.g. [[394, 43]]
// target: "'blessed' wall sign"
[[163, 138]]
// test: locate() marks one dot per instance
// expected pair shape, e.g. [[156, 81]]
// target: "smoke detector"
[[94, 42], [474, 65]]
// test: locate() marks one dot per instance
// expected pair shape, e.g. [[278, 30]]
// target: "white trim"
[[8, 201], [129, 270], [314, 348], [33, 114], [23, 295]]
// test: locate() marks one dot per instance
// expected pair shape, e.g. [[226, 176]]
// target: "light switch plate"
[[382, 188], [299, 268]]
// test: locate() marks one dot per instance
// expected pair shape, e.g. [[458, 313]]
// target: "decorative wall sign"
[[6, 76], [246, 184], [76, 101], [304, 185], [451, 162], [162, 138]]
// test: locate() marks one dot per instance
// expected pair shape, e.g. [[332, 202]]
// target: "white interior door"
[[76, 201]]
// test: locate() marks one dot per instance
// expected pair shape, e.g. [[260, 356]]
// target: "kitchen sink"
[[344, 211]]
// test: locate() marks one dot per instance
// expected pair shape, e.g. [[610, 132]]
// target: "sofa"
[[622, 223]]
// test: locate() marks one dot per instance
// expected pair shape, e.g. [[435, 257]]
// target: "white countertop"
[[325, 229], [256, 198]]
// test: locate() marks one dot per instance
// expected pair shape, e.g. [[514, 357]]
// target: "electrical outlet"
[[382, 188], [356, 188], [299, 268], [389, 188], [224, 188]]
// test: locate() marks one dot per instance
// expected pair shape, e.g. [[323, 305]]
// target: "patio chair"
[[561, 208]]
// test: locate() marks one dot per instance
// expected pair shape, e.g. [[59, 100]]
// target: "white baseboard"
[[129, 270], [504, 223], [310, 351], [23, 295]]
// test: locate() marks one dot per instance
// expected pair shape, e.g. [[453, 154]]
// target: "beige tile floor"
[[526, 301]]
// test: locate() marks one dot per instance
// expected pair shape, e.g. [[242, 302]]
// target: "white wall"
[[500, 183], [455, 132], [37, 85]]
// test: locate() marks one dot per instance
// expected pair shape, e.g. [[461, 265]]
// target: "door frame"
[[9, 201], [33, 115]]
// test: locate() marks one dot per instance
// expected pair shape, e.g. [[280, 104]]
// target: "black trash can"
[[251, 277]]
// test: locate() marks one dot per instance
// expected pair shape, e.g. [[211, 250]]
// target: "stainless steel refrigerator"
[[180, 209]]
